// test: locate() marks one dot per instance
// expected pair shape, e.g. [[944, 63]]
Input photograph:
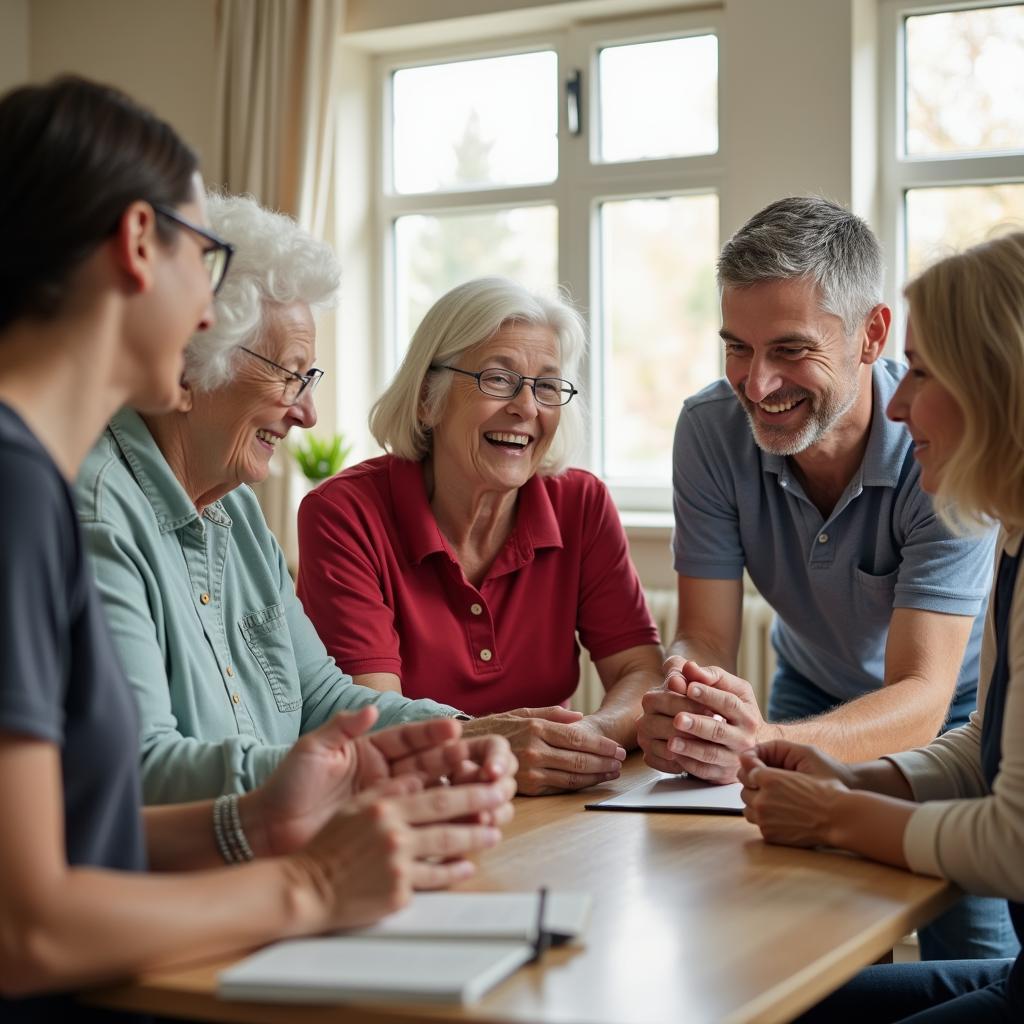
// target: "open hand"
[[330, 766], [368, 859]]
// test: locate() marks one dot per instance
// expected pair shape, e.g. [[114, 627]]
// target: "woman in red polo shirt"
[[462, 565]]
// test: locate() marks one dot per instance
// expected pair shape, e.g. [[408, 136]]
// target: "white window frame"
[[900, 172], [577, 193]]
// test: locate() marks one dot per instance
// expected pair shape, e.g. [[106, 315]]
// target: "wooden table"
[[695, 921]]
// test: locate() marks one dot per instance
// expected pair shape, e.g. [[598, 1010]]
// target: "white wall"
[[159, 52]]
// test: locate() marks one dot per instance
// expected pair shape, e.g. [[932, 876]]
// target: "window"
[[587, 159], [953, 143]]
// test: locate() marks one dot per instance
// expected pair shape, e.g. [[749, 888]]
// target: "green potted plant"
[[319, 458]]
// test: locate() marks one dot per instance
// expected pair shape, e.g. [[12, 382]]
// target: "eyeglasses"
[[500, 383], [296, 383], [216, 255]]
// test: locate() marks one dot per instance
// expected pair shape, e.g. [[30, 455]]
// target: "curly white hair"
[[275, 263]]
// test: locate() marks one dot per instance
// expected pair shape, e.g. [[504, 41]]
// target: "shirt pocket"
[[267, 637], [874, 596]]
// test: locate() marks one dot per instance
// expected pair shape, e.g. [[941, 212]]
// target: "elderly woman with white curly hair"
[[462, 565], [226, 668]]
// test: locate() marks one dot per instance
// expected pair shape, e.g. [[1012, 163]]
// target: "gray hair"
[[275, 263], [809, 237], [463, 318]]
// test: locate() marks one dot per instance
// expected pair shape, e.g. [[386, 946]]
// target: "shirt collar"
[[171, 505], [416, 525], [536, 523], [888, 442]]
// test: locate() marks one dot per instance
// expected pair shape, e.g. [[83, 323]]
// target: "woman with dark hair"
[[108, 269]]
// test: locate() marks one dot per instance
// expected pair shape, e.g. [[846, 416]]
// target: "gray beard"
[[783, 441]]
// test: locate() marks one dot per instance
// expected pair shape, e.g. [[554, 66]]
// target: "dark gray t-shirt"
[[60, 680]]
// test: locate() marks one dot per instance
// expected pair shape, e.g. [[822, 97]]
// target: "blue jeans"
[[927, 993], [975, 927]]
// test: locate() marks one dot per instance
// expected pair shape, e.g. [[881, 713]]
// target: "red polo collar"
[[536, 526]]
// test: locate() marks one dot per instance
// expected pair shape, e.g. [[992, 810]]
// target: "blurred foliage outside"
[[964, 96], [661, 321], [941, 221], [435, 253], [965, 82]]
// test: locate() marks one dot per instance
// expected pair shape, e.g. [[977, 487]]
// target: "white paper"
[[442, 947], [675, 793], [484, 915], [339, 969]]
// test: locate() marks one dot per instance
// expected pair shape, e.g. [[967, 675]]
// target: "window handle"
[[574, 102]]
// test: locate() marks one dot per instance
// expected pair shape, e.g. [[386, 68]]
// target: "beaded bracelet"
[[227, 830]]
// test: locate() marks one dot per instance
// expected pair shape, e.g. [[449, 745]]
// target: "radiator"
[[756, 662]]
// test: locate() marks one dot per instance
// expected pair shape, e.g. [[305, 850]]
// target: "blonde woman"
[[955, 808], [463, 565]]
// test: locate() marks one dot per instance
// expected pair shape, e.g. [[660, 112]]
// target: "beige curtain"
[[275, 129]]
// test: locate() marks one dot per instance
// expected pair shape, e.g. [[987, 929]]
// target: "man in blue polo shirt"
[[789, 469]]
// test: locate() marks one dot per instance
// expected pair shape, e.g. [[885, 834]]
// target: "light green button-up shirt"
[[226, 668]]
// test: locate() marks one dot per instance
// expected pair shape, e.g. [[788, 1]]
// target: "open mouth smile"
[[778, 409], [508, 439], [269, 439]]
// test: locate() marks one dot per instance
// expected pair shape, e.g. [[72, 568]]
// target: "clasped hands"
[[699, 722], [705, 721], [556, 749]]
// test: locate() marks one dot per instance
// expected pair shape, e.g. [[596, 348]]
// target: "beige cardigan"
[[963, 831]]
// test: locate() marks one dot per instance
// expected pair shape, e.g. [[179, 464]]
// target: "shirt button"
[[783, 483], [229, 671], [486, 655], [204, 598], [476, 609], [822, 538], [235, 699]]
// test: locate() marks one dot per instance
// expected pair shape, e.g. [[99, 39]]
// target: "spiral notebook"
[[443, 947]]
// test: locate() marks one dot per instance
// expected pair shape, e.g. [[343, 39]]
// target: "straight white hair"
[[467, 316], [276, 263]]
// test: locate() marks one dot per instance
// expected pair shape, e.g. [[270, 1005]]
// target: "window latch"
[[574, 102]]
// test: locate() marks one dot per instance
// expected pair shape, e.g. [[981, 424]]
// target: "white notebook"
[[443, 947], [672, 793]]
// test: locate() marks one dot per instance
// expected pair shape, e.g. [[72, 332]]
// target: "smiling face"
[[240, 425], [497, 443], [794, 370], [932, 415]]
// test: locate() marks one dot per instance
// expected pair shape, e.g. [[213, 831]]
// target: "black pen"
[[542, 937]]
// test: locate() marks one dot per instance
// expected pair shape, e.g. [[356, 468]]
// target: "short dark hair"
[[74, 154]]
